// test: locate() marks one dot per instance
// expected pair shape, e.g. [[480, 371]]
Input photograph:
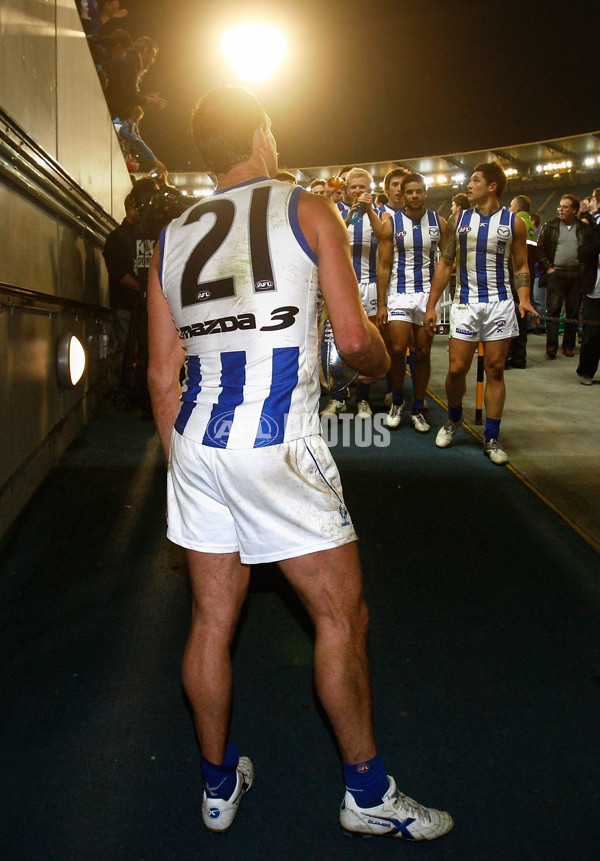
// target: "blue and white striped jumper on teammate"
[[483, 247], [415, 246], [241, 282], [343, 208], [363, 247]]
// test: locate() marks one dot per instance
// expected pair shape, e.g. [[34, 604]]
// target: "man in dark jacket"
[[123, 90], [589, 255], [558, 247]]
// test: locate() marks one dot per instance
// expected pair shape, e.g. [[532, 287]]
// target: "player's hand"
[[366, 200], [527, 308], [430, 322], [381, 317]]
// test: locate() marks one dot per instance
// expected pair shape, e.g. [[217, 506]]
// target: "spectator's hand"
[[160, 168], [112, 10], [153, 100], [593, 204], [132, 165]]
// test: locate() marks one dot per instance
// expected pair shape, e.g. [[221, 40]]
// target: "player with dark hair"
[[407, 255], [481, 240], [233, 291]]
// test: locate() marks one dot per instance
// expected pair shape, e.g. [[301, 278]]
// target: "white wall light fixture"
[[70, 361]]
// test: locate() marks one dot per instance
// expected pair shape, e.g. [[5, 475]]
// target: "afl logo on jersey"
[[401, 233], [434, 231], [265, 284], [465, 229], [203, 294], [504, 232], [219, 428]]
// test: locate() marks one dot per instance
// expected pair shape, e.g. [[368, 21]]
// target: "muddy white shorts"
[[368, 297], [484, 321], [269, 503], [408, 307]]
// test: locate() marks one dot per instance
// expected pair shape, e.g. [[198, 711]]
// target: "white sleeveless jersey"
[[415, 251], [483, 245], [241, 283], [363, 247]]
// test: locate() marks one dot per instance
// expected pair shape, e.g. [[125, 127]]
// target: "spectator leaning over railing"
[[123, 91], [132, 144], [95, 15]]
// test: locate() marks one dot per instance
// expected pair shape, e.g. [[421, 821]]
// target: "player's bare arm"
[[384, 268], [521, 268], [441, 277], [357, 340], [376, 223], [165, 358]]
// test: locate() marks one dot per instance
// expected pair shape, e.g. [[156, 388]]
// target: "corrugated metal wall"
[[49, 89]]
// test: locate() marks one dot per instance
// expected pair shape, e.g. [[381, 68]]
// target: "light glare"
[[254, 50]]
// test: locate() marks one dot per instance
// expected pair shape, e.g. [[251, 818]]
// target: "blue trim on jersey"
[[398, 227], [161, 248], [233, 369], [241, 184], [295, 223], [506, 220], [343, 208], [190, 392], [481, 258], [357, 249], [276, 408], [464, 221]]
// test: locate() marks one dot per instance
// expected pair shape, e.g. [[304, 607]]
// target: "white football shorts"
[[484, 321], [368, 297], [408, 307], [269, 503]]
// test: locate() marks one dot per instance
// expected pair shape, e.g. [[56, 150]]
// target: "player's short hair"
[[536, 219], [395, 171], [492, 172], [317, 182], [381, 198], [523, 203], [223, 126], [574, 200], [412, 176], [358, 171], [285, 176], [461, 200]]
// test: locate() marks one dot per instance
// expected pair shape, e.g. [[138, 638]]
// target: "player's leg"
[[494, 360], [460, 356], [219, 583], [422, 343], [398, 334], [329, 583]]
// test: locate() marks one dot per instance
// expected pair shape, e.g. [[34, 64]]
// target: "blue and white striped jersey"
[[363, 247], [483, 245], [386, 208], [241, 283], [343, 208], [415, 251]]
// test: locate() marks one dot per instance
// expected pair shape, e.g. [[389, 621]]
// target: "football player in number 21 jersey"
[[232, 292]]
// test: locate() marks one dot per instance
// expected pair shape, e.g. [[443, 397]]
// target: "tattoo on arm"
[[449, 245], [522, 280]]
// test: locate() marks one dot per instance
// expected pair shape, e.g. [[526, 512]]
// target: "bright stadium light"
[[254, 50]]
